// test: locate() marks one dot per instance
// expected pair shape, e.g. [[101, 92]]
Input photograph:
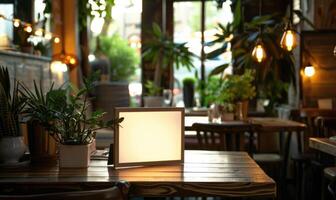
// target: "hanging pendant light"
[[288, 39], [259, 53]]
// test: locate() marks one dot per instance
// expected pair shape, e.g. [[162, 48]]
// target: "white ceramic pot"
[[11, 149], [74, 156]]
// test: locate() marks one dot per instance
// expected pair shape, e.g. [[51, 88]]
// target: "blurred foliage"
[[273, 75], [152, 89], [163, 53], [230, 89], [124, 60]]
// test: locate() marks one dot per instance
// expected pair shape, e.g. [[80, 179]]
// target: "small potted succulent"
[[63, 112], [12, 146], [154, 97]]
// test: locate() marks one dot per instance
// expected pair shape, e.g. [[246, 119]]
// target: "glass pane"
[[6, 27], [187, 28]]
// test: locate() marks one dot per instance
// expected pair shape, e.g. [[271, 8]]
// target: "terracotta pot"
[[41, 145], [227, 116], [241, 110], [74, 156], [11, 149]]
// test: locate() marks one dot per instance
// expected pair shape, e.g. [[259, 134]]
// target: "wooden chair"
[[118, 192], [323, 126], [223, 136]]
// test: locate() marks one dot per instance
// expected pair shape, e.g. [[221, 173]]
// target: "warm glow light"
[[28, 28], [48, 36], [149, 135], [288, 40], [58, 66], [39, 32], [57, 40], [91, 57], [335, 50], [259, 53], [72, 61], [97, 25], [16, 23], [309, 71]]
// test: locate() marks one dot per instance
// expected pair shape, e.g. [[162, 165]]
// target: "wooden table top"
[[323, 144], [264, 123], [203, 173]]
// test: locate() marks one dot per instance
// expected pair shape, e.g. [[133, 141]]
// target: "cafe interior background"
[[173, 53]]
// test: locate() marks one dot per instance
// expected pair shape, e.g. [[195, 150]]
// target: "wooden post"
[[65, 25]]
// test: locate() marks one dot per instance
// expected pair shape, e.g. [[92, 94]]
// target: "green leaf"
[[219, 69]]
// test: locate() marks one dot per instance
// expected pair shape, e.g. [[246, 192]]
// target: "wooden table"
[[263, 125], [323, 144], [203, 173]]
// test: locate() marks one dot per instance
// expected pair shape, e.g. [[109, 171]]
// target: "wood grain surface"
[[203, 173], [323, 144]]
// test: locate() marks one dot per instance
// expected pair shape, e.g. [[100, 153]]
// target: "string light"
[[16, 23], [57, 40], [39, 32], [48, 36], [29, 29]]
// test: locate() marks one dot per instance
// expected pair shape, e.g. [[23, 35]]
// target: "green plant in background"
[[63, 113], [123, 59], [152, 89], [11, 105], [279, 67], [230, 89], [189, 81], [164, 53]]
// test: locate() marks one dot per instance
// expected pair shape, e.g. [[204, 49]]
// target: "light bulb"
[[16, 23], [57, 40], [28, 28], [39, 32], [259, 53], [58, 66], [309, 71], [288, 40], [97, 25], [48, 36]]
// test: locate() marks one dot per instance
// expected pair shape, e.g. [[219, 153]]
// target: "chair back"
[[326, 126], [219, 136], [118, 192]]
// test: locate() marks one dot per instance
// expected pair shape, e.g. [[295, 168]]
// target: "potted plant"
[[188, 92], [12, 146], [63, 112], [165, 54], [231, 93], [277, 72], [219, 100], [154, 98]]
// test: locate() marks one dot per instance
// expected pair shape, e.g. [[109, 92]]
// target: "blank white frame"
[[149, 136]]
